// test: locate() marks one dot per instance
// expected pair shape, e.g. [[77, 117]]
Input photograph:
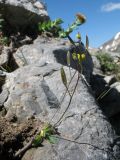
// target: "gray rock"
[[3, 97], [23, 13], [4, 56], [110, 79], [37, 90], [50, 51], [97, 66], [107, 92]]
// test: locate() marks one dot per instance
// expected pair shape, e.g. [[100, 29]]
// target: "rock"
[[50, 51], [38, 90], [107, 93], [4, 56], [110, 79], [97, 66], [3, 97], [21, 14]]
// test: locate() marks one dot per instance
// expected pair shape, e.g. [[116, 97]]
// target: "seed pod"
[[68, 58], [63, 77], [87, 42]]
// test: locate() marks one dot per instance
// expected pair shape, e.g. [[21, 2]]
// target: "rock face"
[[23, 13], [37, 90], [50, 51], [107, 87]]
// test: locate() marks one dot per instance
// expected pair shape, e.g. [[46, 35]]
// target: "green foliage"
[[80, 19], [107, 63], [3, 39], [45, 133], [53, 27]]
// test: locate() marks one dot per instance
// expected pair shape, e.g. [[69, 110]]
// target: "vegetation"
[[108, 65], [3, 38], [54, 27], [50, 27]]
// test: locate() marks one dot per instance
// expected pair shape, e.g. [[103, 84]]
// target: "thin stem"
[[70, 39], [64, 96], [84, 143], [69, 102]]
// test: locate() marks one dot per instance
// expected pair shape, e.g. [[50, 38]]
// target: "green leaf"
[[48, 25], [38, 140], [63, 76], [52, 139], [58, 21], [62, 34], [43, 26], [69, 30]]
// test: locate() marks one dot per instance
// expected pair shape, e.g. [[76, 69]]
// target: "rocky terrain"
[[109, 80], [32, 94]]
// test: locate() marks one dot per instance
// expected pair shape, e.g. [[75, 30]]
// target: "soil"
[[14, 135]]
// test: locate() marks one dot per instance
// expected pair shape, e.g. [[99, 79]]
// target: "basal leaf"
[[38, 140], [52, 139]]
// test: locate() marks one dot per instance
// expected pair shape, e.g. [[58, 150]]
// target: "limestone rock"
[[23, 13], [4, 56], [38, 90], [50, 51]]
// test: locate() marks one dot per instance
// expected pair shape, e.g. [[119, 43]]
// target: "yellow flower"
[[42, 133]]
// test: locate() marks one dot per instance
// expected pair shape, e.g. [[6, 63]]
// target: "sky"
[[103, 17]]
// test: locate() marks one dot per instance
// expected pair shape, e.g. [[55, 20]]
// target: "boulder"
[[4, 56], [111, 102], [97, 66], [51, 51], [21, 14], [107, 92], [37, 90]]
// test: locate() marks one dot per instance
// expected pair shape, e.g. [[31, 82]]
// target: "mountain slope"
[[112, 45]]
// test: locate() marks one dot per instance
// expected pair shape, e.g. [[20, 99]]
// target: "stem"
[[70, 39], [63, 96], [68, 103], [84, 143]]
